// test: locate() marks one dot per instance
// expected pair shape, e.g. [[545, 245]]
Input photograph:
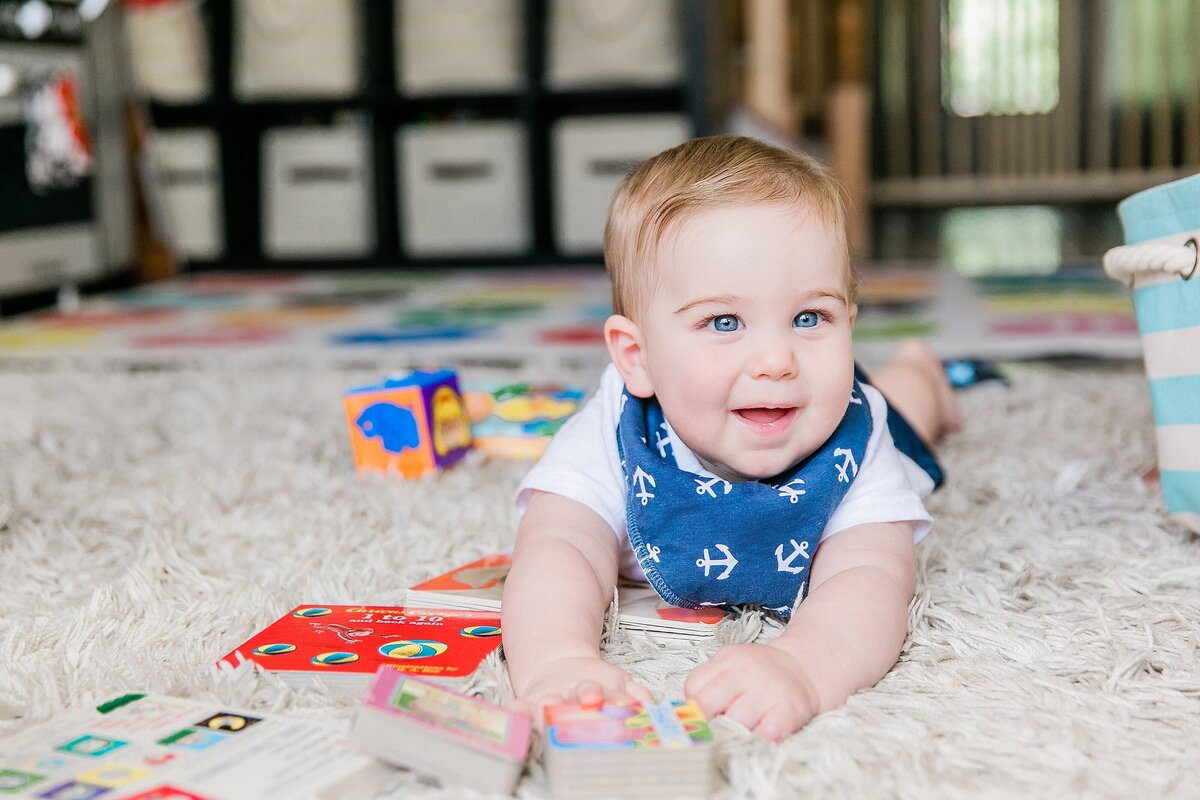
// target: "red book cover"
[[354, 641]]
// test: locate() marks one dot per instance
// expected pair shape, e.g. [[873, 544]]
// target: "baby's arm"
[[563, 574], [844, 637]]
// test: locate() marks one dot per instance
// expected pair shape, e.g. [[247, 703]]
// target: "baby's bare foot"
[[920, 357]]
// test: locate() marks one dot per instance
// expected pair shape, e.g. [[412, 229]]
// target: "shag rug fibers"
[[151, 519]]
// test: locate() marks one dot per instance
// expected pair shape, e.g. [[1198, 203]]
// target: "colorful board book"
[[479, 585], [351, 642], [517, 420], [641, 750], [155, 747], [412, 723]]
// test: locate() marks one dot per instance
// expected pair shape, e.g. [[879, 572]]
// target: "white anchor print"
[[729, 562], [785, 565], [661, 441], [640, 479], [848, 468], [652, 552], [704, 487], [791, 490]]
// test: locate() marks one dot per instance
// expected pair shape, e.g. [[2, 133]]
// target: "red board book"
[[352, 642]]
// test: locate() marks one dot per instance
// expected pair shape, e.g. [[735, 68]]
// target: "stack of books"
[[650, 750], [349, 643], [479, 585], [412, 723]]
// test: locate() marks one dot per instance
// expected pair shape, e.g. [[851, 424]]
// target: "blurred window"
[[1000, 57]]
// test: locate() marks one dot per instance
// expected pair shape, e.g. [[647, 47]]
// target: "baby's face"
[[746, 342]]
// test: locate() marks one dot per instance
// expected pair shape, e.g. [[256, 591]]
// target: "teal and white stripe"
[[1168, 315], [1162, 227]]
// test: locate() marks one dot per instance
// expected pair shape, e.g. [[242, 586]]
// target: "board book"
[[516, 420], [640, 750], [352, 642], [154, 747], [479, 586], [416, 724]]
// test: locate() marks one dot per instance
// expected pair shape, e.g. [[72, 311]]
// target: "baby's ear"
[[627, 350], [853, 309]]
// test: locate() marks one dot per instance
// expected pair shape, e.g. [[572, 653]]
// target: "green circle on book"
[[335, 658], [273, 649], [312, 612]]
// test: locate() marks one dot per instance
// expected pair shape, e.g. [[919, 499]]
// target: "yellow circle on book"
[[338, 657], [413, 648], [312, 612], [480, 631], [273, 649]]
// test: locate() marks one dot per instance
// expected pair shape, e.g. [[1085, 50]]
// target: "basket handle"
[[1124, 262]]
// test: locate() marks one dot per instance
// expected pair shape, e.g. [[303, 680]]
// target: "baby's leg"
[[914, 382]]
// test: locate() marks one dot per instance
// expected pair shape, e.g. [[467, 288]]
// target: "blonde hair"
[[701, 174]]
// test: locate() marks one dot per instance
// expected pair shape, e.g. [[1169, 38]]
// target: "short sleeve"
[[582, 462]]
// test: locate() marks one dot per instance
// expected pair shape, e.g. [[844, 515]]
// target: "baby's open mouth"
[[764, 416]]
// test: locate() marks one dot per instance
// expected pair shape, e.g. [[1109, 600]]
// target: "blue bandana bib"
[[710, 542]]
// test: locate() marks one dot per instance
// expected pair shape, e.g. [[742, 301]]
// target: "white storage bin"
[[289, 48], [35, 259], [317, 192], [605, 42], [189, 174], [458, 46], [464, 189], [592, 155], [168, 49]]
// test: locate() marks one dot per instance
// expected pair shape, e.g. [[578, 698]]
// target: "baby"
[[732, 454]]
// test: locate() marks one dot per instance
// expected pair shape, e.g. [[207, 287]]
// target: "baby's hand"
[[759, 685], [589, 680]]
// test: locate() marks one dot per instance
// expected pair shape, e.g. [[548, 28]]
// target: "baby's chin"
[[746, 472]]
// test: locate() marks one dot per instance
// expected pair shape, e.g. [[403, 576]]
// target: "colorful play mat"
[[513, 315]]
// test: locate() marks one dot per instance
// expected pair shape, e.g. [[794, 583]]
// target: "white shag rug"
[[152, 519]]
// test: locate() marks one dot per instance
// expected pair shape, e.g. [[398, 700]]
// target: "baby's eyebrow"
[[719, 300], [832, 294]]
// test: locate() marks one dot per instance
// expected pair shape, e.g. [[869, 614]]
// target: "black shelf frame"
[[240, 126]]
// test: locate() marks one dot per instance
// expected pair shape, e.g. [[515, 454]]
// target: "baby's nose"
[[775, 360]]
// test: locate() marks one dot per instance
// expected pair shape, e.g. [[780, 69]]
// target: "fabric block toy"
[[409, 426]]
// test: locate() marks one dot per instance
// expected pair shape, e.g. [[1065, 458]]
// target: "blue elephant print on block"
[[396, 427]]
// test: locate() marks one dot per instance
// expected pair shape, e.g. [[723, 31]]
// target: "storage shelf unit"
[[48, 231], [242, 126]]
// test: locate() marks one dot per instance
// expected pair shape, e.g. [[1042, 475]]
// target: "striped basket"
[[1159, 264]]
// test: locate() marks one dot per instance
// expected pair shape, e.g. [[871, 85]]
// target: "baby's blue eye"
[[726, 323], [806, 319]]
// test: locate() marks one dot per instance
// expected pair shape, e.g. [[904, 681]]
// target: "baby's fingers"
[[637, 692], [712, 687], [778, 723], [717, 696], [589, 693]]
